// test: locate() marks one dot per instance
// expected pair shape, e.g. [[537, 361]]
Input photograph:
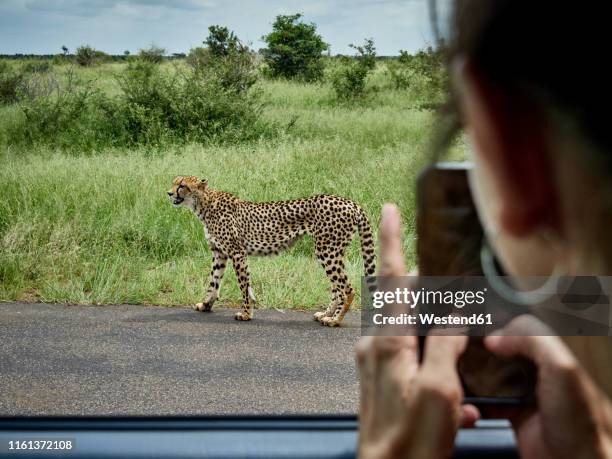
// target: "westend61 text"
[[432, 319]]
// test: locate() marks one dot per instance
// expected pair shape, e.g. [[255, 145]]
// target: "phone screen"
[[449, 238]]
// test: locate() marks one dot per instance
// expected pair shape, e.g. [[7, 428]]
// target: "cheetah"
[[235, 228]]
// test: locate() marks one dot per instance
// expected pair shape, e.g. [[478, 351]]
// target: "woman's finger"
[[385, 360], [391, 256], [470, 414], [365, 366], [526, 336], [441, 354]]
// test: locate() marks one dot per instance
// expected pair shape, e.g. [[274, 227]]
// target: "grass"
[[98, 228]]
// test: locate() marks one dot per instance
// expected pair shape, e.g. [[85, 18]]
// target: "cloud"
[[89, 8]]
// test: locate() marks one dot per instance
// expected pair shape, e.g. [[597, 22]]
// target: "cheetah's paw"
[[319, 315], [330, 322], [242, 316], [203, 307]]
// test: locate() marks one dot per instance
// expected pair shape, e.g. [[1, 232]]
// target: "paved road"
[[86, 360]]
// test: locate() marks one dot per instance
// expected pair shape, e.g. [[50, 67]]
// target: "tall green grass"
[[98, 227]]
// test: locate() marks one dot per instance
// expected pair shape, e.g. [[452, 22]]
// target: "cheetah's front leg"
[[242, 273], [219, 264]]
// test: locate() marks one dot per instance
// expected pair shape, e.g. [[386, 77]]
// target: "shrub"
[[74, 116], [366, 54], [155, 107], [209, 109], [34, 85], [189, 105], [86, 56], [225, 59], [400, 71], [236, 72], [33, 79], [10, 81], [294, 49], [60, 59], [38, 66], [198, 58], [423, 73], [350, 77], [146, 102], [153, 54]]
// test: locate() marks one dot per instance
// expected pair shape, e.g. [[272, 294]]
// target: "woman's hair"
[[553, 51], [556, 53]]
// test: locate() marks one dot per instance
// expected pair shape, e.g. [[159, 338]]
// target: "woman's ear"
[[511, 143]]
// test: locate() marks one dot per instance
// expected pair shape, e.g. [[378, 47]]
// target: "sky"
[[113, 26]]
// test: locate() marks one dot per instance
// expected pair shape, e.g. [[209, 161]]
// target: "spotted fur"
[[235, 229]]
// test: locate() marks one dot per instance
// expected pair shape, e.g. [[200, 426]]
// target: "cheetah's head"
[[183, 190]]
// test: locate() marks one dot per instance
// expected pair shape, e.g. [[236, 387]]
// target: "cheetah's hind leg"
[[340, 311], [330, 255]]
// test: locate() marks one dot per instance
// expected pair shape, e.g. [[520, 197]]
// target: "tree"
[[64, 50], [221, 41], [294, 48]]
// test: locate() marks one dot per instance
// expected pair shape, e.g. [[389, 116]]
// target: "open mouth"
[[177, 201]]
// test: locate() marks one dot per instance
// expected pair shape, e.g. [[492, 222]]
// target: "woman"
[[542, 181]]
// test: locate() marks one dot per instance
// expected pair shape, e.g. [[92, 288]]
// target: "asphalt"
[[147, 360]]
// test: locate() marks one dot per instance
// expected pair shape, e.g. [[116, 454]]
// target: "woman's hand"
[[573, 418], [408, 409]]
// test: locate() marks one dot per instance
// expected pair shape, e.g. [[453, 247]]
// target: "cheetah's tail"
[[367, 248]]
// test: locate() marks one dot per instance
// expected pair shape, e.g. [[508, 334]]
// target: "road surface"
[[141, 360]]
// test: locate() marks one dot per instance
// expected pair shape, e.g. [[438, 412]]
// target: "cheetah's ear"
[[203, 183]]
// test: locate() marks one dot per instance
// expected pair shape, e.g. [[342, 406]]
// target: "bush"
[[60, 59], [145, 102], [366, 54], [423, 73], [72, 117], [38, 66], [86, 56], [198, 58], [350, 77], [10, 81], [34, 79], [224, 59], [153, 54], [190, 105], [34, 85], [294, 49], [155, 107]]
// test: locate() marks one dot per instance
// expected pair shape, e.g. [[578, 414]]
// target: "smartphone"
[[449, 238]]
